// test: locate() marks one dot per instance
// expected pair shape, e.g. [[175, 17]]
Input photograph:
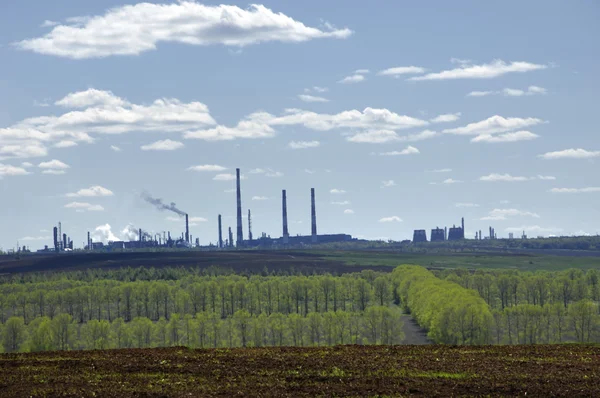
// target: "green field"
[[521, 262]]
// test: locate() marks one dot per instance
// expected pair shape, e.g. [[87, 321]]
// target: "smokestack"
[[286, 234], [462, 222], [249, 225], [313, 216], [55, 239], [88, 244], [140, 236], [187, 229], [445, 233], [240, 233], [220, 234], [60, 246], [230, 238], [65, 245]]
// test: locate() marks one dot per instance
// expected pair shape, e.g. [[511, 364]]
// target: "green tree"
[[14, 334]]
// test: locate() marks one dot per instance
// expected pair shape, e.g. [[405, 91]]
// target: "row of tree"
[[224, 295], [501, 289], [449, 312], [376, 325]]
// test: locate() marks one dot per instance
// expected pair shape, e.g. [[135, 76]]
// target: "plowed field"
[[357, 371]]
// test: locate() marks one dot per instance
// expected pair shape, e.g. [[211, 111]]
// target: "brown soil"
[[358, 371]]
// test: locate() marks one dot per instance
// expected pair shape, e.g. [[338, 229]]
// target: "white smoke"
[[104, 234], [129, 233]]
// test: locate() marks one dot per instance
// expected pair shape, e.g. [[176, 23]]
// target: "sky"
[[402, 115]]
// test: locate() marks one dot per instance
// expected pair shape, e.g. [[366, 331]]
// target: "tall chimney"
[[89, 244], [55, 239], [187, 229], [64, 237], [60, 246], [445, 233], [313, 216], [230, 238], [240, 233], [286, 234], [220, 234], [462, 222], [249, 225]]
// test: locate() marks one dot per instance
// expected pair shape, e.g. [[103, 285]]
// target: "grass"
[[525, 262]]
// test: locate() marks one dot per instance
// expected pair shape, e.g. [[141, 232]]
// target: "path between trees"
[[413, 333]]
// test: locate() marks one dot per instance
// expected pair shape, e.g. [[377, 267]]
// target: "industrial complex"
[[62, 242]]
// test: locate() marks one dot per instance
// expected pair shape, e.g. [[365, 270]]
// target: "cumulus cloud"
[[308, 171], [503, 214], [451, 181], [551, 178], [260, 198], [146, 25], [494, 177], [207, 167], [516, 136], [303, 144], [493, 125], [342, 203], [54, 165], [267, 172], [463, 205], [54, 172], [94, 191], [163, 145], [409, 150], [495, 68], [402, 70], [446, 118], [390, 219], [316, 89], [337, 191], [65, 144], [571, 154], [575, 190], [115, 148], [383, 136], [197, 219], [529, 229], [83, 206], [8, 170], [226, 177], [348, 211], [388, 183], [312, 98], [511, 92], [362, 71], [352, 79], [441, 171]]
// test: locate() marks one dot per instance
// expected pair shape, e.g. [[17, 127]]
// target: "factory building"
[[438, 235], [419, 235]]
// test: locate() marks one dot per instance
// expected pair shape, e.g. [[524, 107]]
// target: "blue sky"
[[403, 115]]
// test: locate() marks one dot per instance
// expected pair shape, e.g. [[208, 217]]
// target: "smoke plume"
[[160, 205]]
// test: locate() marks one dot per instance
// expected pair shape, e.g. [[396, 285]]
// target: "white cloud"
[[207, 167], [343, 203], [226, 177], [575, 190], [571, 154], [91, 97], [54, 172], [163, 145], [320, 89], [506, 137], [267, 172], [402, 70], [197, 219], [34, 238], [47, 24], [480, 93], [26, 164], [503, 214], [484, 71], [390, 219], [383, 136], [115, 148], [511, 92], [146, 25], [462, 205], [337, 191], [303, 144], [173, 218], [494, 124], [446, 118], [409, 150], [352, 79], [21, 149], [312, 98], [362, 71], [529, 229], [547, 178], [8, 170], [460, 61], [494, 177], [388, 183], [65, 144], [308, 171], [348, 211], [260, 198], [54, 164], [84, 206], [451, 181], [441, 171], [90, 192]]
